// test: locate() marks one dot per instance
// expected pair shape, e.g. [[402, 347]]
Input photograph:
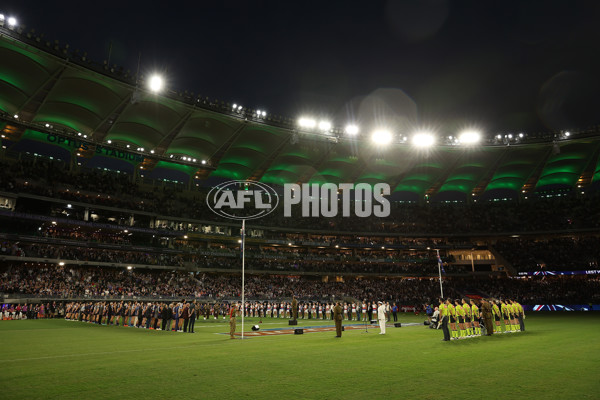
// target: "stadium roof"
[[44, 96]]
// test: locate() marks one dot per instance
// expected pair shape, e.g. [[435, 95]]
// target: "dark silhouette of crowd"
[[551, 254]]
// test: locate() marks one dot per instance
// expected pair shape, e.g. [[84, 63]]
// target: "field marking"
[[104, 353]]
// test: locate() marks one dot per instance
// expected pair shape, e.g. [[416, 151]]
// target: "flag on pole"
[[242, 234], [440, 263]]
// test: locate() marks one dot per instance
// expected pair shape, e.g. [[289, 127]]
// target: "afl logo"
[[242, 200]]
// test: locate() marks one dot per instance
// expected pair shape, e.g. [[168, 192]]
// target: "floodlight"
[[85, 136], [141, 149], [156, 83], [423, 139], [567, 134], [129, 267], [307, 123], [16, 116], [61, 263], [1, 17], [521, 135], [381, 137], [264, 113], [499, 137], [234, 106], [325, 126], [78, 133], [194, 160], [12, 21], [510, 135], [469, 137], [128, 146], [203, 161], [351, 129], [151, 151], [109, 141]]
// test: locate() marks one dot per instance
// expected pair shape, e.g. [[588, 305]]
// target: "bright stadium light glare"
[[469, 137], [325, 126], [423, 139], [308, 123], [109, 141], [351, 130], [12, 21], [381, 137], [156, 83], [203, 162]]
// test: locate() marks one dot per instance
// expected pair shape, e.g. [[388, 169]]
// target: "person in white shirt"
[[381, 317]]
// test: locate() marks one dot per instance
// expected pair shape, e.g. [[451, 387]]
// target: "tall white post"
[[243, 272]]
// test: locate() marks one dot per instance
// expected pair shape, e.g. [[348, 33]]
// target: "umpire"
[[443, 309]]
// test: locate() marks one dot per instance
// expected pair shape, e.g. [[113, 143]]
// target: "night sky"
[[499, 66]]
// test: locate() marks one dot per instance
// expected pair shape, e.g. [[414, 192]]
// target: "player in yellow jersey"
[[452, 315], [520, 314], [505, 316], [460, 314], [475, 318], [468, 327], [496, 313]]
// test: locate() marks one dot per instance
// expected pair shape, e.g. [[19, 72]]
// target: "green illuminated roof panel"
[[565, 167], [23, 69], [427, 168], [139, 134], [387, 165], [472, 167], [203, 134], [250, 151], [339, 165], [69, 115], [516, 167], [88, 100], [299, 159]]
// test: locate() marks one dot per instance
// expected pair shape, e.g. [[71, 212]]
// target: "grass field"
[[558, 357]]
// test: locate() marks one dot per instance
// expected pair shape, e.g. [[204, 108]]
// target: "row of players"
[[181, 316], [465, 319], [364, 311], [29, 311]]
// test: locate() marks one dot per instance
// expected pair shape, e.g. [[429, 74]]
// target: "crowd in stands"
[[256, 260], [554, 254], [54, 180], [94, 282]]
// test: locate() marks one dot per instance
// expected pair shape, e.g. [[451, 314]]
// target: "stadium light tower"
[[325, 126], [423, 139], [156, 83], [381, 137], [307, 123], [469, 137], [351, 130]]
